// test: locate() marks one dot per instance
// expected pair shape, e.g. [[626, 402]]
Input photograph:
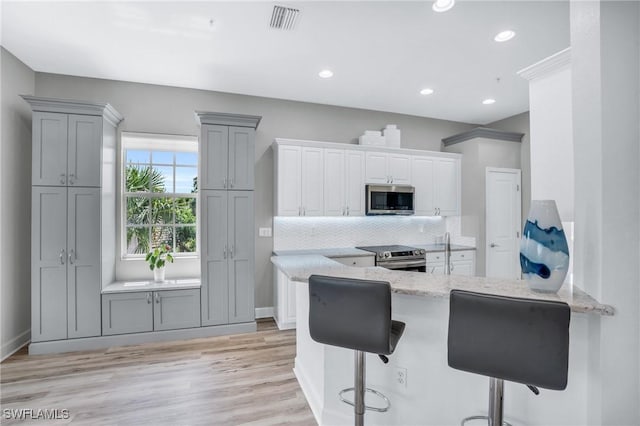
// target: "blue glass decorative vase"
[[544, 253]]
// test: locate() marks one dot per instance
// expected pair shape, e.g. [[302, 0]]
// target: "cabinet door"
[[354, 183], [214, 290], [447, 188], [466, 268], [83, 257], [241, 257], [49, 149], [422, 170], [334, 183], [288, 180], [376, 168], [214, 152], [312, 181], [48, 263], [84, 159], [242, 147], [174, 309], [400, 169], [127, 312]]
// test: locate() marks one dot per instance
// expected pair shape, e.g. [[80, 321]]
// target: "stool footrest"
[[367, 407], [467, 419]]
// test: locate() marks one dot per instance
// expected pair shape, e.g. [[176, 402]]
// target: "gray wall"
[[478, 154], [160, 109], [15, 211]]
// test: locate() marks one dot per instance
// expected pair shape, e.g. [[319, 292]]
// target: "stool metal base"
[[367, 407], [468, 419], [496, 407]]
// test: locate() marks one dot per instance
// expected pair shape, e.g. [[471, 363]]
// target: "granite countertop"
[[300, 267], [328, 252], [129, 286], [435, 248]]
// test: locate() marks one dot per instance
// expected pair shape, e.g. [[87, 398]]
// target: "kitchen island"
[[433, 393]]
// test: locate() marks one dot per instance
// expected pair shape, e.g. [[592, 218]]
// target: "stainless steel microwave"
[[389, 200]]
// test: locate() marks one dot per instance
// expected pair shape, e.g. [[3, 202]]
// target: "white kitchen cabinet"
[[387, 168], [437, 185], [357, 261], [343, 183], [299, 181], [285, 301], [462, 263]]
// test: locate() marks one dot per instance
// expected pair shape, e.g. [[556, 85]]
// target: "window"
[[159, 193]]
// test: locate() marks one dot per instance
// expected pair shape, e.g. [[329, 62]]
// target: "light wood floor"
[[228, 380]]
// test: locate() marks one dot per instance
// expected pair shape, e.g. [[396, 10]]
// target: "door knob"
[[492, 245]]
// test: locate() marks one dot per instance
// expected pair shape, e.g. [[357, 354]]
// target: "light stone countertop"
[[328, 252], [300, 267], [131, 286]]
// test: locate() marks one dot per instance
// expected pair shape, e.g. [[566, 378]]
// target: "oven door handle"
[[401, 264]]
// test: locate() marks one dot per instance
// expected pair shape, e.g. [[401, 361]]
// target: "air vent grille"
[[284, 18]]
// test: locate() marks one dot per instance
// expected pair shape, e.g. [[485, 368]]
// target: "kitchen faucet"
[[447, 254]]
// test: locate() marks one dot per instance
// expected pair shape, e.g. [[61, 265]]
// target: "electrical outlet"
[[401, 377], [264, 232]]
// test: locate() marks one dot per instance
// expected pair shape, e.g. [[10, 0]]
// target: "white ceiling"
[[382, 52]]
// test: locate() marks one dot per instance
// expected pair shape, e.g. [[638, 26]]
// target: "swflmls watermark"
[[35, 413]]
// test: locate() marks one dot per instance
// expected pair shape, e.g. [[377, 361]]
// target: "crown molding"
[[69, 106], [556, 62], [483, 132], [224, 119]]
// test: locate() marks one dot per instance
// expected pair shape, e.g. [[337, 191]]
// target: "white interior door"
[[503, 223]]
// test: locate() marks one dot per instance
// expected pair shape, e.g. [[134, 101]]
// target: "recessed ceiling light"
[[326, 74], [489, 101], [443, 5], [504, 36], [426, 91]]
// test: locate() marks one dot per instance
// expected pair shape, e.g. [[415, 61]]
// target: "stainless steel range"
[[399, 257]]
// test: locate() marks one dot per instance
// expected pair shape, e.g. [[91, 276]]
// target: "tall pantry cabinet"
[[73, 227], [226, 183]]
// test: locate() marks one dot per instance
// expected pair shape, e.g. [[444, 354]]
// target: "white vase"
[[158, 275], [544, 253]]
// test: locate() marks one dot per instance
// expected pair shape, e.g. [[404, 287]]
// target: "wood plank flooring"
[[228, 380]]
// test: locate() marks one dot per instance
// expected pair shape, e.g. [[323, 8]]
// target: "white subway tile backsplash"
[[295, 233]]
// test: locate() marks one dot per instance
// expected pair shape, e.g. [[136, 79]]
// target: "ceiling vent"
[[284, 18]]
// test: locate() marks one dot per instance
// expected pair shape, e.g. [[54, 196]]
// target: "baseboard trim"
[[266, 312], [313, 399], [103, 342], [14, 345]]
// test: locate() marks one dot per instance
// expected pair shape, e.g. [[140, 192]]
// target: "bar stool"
[[354, 314], [508, 338]]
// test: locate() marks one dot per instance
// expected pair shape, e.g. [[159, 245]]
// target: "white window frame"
[[155, 142]]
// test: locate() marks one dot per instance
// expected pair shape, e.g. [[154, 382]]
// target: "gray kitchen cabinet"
[[143, 311], [73, 215], [173, 309], [130, 312], [229, 155], [66, 149], [228, 261], [65, 263]]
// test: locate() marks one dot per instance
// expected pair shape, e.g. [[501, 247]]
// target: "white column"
[[605, 50]]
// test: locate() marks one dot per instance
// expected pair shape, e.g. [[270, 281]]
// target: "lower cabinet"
[[285, 301], [462, 263], [137, 312]]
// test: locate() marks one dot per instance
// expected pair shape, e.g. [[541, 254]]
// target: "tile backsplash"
[[295, 233]]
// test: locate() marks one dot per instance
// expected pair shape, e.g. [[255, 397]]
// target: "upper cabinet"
[[437, 185], [387, 168], [227, 151], [328, 179], [66, 149]]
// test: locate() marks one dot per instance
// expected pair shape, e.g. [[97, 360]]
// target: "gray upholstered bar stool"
[[354, 314], [508, 338]]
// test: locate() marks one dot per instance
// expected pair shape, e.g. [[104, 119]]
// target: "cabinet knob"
[[72, 179], [224, 182], [157, 297], [231, 251], [231, 183], [224, 252], [63, 178], [347, 210], [62, 257], [72, 256], [149, 297]]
